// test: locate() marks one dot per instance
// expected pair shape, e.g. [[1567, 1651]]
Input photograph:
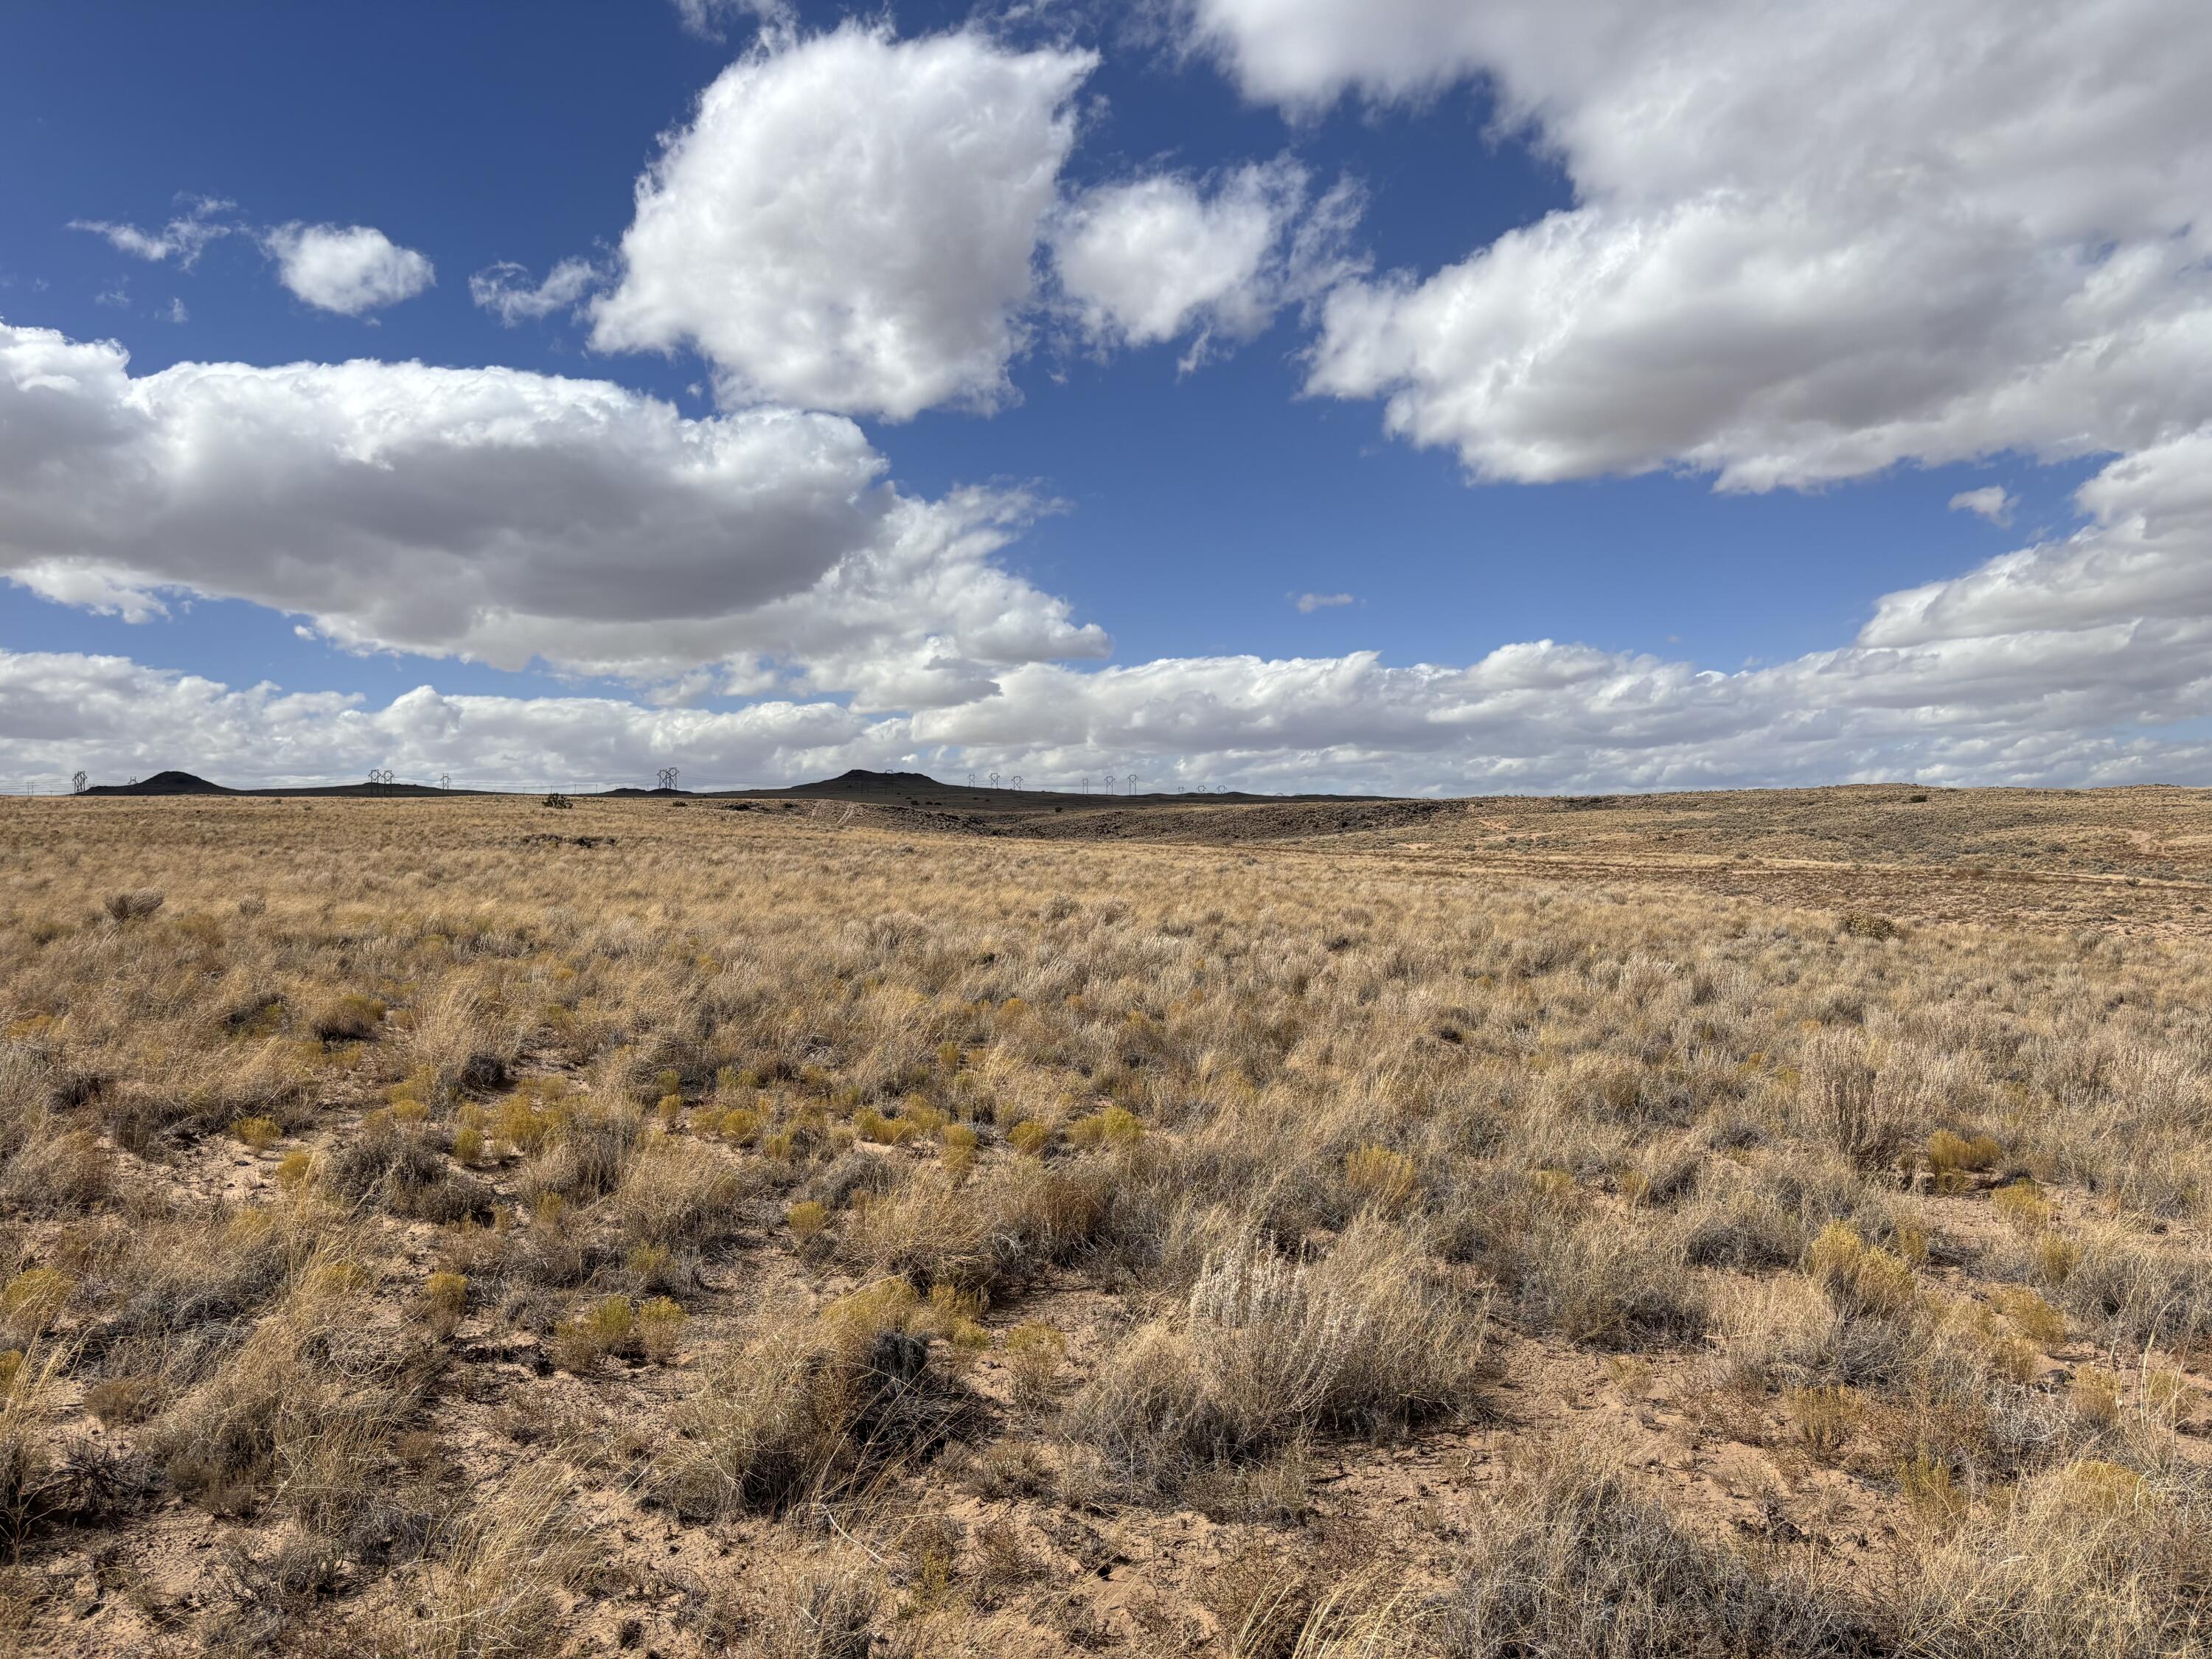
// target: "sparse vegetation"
[[792, 1237]]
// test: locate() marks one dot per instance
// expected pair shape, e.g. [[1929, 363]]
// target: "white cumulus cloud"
[[1809, 241], [1806, 243], [850, 221], [1152, 258], [500, 516], [348, 269]]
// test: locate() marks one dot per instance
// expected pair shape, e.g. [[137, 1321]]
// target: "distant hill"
[[918, 789], [164, 783]]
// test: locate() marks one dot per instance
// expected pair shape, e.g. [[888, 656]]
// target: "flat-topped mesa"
[[860, 775], [859, 779]]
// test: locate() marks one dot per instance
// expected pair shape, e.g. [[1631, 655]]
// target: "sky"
[[1373, 395]]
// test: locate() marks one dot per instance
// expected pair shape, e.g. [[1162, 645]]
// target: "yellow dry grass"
[[422, 1233]]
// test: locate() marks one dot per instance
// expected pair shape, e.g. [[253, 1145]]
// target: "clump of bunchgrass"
[[606, 1327], [661, 1322], [1034, 1352], [1572, 1557], [1365, 1341], [1823, 1418], [490, 1585], [1858, 1277], [2022, 1204], [134, 905], [1952, 1157], [808, 1406], [259, 1133], [1379, 1177]]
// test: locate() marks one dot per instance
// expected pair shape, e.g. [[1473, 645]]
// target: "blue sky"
[[1708, 509]]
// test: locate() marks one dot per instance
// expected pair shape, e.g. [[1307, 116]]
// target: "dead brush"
[[552, 1250], [2136, 1291], [395, 1169], [987, 1235], [1743, 1226], [1860, 1278], [1780, 1334], [1841, 1095], [445, 1299], [1823, 1418], [585, 1152], [30, 1303], [1363, 1340], [927, 1229], [1952, 1157], [1263, 1599], [810, 1408], [1117, 1126], [2085, 1557], [304, 1411], [661, 1322], [490, 1586], [825, 1604], [2023, 1205], [58, 1174], [136, 905], [1377, 1176], [674, 1192], [2034, 1318], [464, 1039], [1604, 1280], [267, 1593], [30, 1380], [1003, 1561], [606, 1327], [1034, 1352], [349, 1017], [1572, 1557]]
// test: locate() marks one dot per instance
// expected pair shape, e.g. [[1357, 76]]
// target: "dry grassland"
[[1734, 1226]]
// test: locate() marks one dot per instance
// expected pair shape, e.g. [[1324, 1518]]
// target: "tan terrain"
[[1749, 1224]]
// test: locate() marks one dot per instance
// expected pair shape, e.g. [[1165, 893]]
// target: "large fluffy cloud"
[[502, 516], [850, 220], [1809, 240]]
